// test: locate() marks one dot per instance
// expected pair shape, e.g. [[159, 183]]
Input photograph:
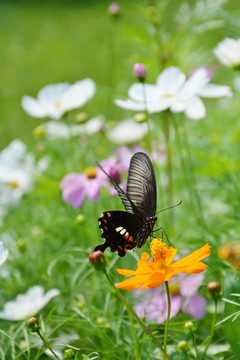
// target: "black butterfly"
[[122, 230]]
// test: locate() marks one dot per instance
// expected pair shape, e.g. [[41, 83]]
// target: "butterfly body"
[[124, 230]]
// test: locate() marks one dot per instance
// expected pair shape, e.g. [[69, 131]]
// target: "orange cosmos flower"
[[151, 274]]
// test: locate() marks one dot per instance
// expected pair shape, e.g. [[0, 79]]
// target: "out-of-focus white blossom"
[[27, 305], [18, 170], [228, 52], [172, 91], [54, 130], [127, 132], [3, 253], [54, 100]]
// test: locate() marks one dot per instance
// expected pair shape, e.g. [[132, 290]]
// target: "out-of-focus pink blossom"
[[140, 71], [184, 296]]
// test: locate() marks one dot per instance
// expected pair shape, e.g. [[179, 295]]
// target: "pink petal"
[[190, 284], [196, 306]]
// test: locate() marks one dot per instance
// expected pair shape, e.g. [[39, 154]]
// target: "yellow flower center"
[[91, 172], [159, 251], [174, 289], [13, 185], [168, 96], [58, 104]]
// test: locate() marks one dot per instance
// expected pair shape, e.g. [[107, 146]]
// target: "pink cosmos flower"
[[76, 187], [184, 296]]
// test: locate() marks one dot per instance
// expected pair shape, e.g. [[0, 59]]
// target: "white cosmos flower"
[[173, 91], [3, 253], [54, 100], [228, 52], [127, 132], [59, 130], [27, 305], [18, 170]]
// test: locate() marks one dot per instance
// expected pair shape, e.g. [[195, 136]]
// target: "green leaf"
[[232, 328]]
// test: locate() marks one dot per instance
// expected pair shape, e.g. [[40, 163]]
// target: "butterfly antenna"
[[170, 207], [163, 232]]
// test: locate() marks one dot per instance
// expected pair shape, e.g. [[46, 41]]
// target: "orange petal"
[[193, 269], [154, 280], [126, 272], [133, 283], [196, 256], [171, 253]]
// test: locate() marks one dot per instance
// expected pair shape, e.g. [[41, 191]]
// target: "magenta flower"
[[140, 71], [184, 296], [76, 187]]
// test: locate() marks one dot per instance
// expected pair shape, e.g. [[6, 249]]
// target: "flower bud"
[[114, 9], [33, 324], [140, 117], [69, 354], [97, 259], [189, 328], [80, 218], [39, 131], [21, 245], [81, 117], [183, 346], [231, 253], [140, 71], [214, 289]]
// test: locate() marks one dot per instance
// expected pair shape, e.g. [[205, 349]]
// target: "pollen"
[[91, 172], [174, 289], [58, 104], [159, 250], [13, 185], [168, 96]]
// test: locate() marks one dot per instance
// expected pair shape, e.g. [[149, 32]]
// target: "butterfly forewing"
[[141, 185], [128, 204]]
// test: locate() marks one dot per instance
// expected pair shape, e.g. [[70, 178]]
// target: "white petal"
[[127, 131], [3, 253], [178, 107], [33, 107], [215, 91], [130, 105], [195, 109], [228, 52], [52, 93], [161, 105], [94, 125], [28, 304], [78, 94], [142, 93], [171, 80], [194, 84]]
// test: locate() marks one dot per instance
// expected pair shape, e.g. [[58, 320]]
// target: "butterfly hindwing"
[[119, 229]]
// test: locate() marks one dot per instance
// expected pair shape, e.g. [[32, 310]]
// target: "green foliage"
[[51, 42]]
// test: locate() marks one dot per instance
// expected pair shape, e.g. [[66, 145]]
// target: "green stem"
[[130, 309], [47, 345], [212, 331], [148, 121], [195, 346], [166, 125], [168, 316], [193, 179]]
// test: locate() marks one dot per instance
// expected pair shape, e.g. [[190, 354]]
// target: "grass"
[[54, 41]]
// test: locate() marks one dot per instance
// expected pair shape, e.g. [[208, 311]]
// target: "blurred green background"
[[44, 42]]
